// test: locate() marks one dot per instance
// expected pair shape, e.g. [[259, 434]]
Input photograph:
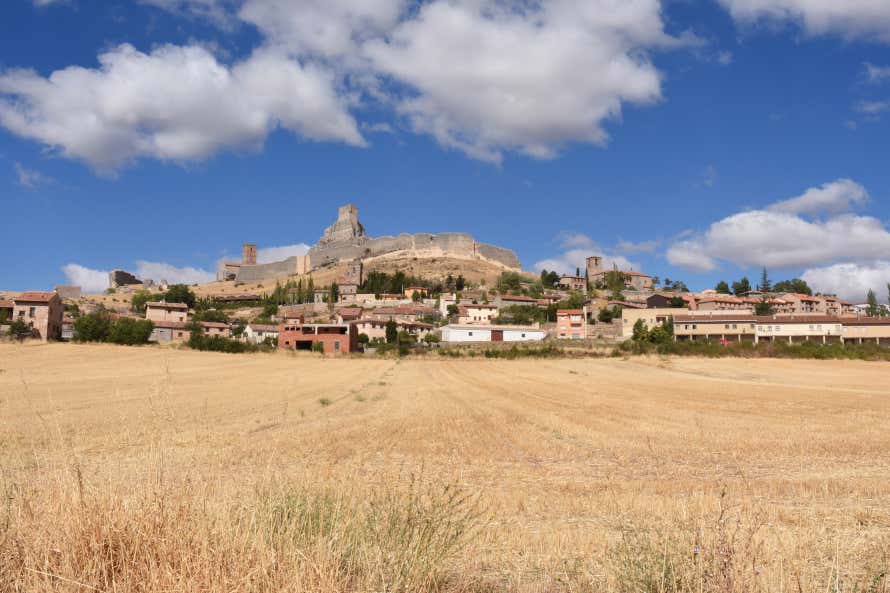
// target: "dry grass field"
[[154, 469]]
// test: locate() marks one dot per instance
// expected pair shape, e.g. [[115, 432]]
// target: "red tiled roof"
[[518, 297], [7, 304], [569, 311], [35, 297], [722, 318], [215, 324], [161, 305]]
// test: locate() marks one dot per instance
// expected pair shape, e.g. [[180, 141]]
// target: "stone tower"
[[594, 265], [248, 254], [353, 273], [346, 229]]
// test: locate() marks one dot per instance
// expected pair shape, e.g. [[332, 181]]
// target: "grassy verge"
[[806, 350]]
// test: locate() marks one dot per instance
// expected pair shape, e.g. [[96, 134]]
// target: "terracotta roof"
[[35, 297], [161, 305], [866, 321], [478, 306], [715, 318], [569, 311], [787, 319], [410, 324], [7, 304], [216, 324]]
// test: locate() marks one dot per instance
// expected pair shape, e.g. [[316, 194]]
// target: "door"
[[497, 335]]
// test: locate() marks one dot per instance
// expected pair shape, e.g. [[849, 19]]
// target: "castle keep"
[[346, 241]]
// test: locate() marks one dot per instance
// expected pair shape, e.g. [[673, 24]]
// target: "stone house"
[[42, 311], [476, 314], [376, 328], [169, 331], [163, 311]]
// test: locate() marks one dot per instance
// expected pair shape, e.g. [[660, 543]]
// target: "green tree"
[[431, 338], [140, 298], [4, 317], [765, 284], [795, 285], [873, 309], [392, 332], [640, 333], [742, 286], [211, 315], [130, 332], [763, 307], [180, 293], [363, 338], [460, 283], [722, 287], [453, 310], [20, 330], [677, 303], [509, 282], [92, 327]]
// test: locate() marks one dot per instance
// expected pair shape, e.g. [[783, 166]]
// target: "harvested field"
[[155, 469]]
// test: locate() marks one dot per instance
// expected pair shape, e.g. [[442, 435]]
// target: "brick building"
[[336, 338]]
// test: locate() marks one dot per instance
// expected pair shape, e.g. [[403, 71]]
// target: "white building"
[[491, 333], [256, 333], [799, 329]]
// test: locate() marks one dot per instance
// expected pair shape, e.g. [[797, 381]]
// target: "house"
[[572, 283], [596, 274], [347, 292], [6, 307], [803, 328], [412, 290], [335, 338], [725, 303], [866, 329], [651, 318], [257, 333], [169, 331], [42, 311], [67, 328], [476, 314], [217, 329], [375, 329], [804, 304], [491, 333], [163, 311], [346, 314], [660, 301], [409, 313], [571, 324], [444, 301], [723, 327]]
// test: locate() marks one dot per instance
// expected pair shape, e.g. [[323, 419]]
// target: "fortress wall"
[[262, 271], [498, 254]]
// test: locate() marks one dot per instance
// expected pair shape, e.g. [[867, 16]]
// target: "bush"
[[93, 327], [20, 330], [199, 341], [130, 332], [318, 347]]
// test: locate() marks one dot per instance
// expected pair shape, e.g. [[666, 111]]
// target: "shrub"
[[93, 327], [20, 330], [318, 347], [130, 332]]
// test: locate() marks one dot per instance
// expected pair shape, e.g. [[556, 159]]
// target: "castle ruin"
[[346, 241]]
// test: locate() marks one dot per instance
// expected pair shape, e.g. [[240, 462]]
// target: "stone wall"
[[459, 245]]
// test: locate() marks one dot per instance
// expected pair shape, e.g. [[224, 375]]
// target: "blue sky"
[[695, 140]]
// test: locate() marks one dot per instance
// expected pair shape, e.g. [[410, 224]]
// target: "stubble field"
[[154, 469]]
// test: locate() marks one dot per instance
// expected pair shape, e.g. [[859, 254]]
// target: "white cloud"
[[851, 280], [88, 279], [837, 196], [30, 178], [176, 103], [481, 76], [780, 236], [157, 271], [218, 12], [641, 247], [266, 255], [577, 247], [488, 76], [873, 107], [866, 19], [877, 74], [334, 29]]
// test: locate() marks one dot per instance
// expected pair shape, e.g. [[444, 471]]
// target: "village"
[[278, 305]]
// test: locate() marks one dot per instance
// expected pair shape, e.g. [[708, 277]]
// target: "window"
[[32, 311], [735, 326], [336, 346], [726, 326], [694, 326], [523, 335], [469, 333]]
